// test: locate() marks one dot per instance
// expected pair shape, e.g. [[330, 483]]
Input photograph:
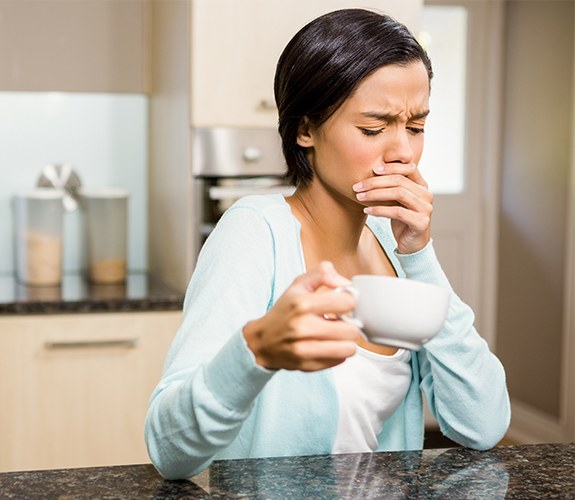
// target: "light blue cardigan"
[[215, 402]]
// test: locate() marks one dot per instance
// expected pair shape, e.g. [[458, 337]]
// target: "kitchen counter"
[[141, 292], [522, 472]]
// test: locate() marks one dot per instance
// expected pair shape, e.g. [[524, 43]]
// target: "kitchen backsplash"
[[104, 138]]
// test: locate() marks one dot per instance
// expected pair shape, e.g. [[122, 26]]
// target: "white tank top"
[[370, 387]]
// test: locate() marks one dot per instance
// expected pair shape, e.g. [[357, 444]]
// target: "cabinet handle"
[[91, 344], [268, 105]]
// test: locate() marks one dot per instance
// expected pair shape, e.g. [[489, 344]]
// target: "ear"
[[304, 136]]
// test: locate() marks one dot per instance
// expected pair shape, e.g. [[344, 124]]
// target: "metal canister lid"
[[62, 176]]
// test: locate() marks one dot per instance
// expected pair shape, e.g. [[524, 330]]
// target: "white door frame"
[[475, 211]]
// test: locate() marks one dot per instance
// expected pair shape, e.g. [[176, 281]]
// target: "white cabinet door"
[[75, 388], [236, 45]]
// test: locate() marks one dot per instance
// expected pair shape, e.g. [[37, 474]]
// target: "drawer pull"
[[91, 344], [267, 105]]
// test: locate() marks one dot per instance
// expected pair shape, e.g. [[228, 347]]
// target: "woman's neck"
[[332, 229], [327, 216]]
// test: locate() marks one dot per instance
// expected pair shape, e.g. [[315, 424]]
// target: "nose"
[[398, 147]]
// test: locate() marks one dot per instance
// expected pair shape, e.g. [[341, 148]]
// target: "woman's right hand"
[[294, 334]]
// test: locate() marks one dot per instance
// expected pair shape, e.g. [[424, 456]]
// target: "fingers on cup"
[[316, 355], [324, 274]]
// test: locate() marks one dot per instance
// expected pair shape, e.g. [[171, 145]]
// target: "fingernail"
[[379, 169], [368, 210], [360, 196], [357, 187]]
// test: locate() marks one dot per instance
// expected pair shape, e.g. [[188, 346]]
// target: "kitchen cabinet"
[[75, 387], [235, 47], [59, 45]]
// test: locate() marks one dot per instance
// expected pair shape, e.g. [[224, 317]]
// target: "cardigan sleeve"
[[210, 378], [463, 381]]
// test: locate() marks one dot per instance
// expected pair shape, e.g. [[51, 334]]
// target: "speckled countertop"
[[522, 472], [141, 292]]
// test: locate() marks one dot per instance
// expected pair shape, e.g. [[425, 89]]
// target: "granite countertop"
[[522, 472], [141, 292]]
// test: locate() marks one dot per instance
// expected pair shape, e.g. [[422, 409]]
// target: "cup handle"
[[350, 317]]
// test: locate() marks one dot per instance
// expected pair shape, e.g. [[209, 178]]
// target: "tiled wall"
[[103, 136]]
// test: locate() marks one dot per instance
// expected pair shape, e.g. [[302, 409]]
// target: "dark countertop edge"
[[520, 471], [92, 306], [141, 292], [519, 449]]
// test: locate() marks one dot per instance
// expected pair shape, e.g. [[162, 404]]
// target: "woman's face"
[[381, 122]]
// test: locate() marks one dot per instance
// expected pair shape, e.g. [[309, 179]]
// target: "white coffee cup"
[[397, 312]]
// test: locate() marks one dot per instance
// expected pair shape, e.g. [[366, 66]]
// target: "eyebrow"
[[387, 117]]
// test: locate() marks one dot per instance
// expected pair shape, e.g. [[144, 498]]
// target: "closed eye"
[[371, 132], [416, 130]]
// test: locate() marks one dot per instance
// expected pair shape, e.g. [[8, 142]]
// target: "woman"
[[256, 369]]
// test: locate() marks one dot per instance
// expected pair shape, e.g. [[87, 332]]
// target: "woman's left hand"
[[400, 193]]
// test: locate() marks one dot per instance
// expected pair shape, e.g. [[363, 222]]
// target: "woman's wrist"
[[252, 333], [405, 251]]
